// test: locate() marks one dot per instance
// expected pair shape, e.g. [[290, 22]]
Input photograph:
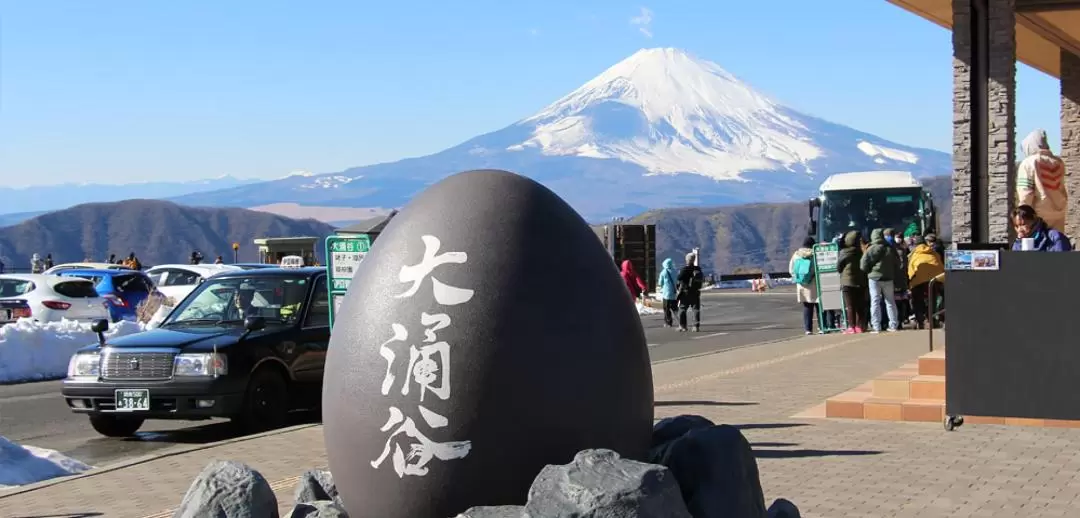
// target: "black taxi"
[[247, 345]]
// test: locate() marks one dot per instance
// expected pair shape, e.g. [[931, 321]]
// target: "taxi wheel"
[[116, 426], [266, 404]]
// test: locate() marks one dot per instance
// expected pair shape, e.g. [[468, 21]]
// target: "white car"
[[84, 266], [53, 298], [176, 281]]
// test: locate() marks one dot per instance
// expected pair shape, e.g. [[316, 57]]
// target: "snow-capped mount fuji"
[[661, 128], [672, 113]]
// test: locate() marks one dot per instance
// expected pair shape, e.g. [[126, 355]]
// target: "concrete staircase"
[[914, 392]]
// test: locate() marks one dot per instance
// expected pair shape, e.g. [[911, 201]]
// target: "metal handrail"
[[931, 313]]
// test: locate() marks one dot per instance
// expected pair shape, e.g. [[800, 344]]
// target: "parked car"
[[254, 266], [177, 280], [246, 345], [84, 266], [123, 290], [12, 310], [51, 298]]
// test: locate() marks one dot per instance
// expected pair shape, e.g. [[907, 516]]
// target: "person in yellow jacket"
[[923, 264], [1040, 181]]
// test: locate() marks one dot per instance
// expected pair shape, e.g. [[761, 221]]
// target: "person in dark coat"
[[852, 282], [690, 280]]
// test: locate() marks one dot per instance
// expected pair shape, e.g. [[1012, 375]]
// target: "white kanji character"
[[444, 294], [422, 450], [400, 335]]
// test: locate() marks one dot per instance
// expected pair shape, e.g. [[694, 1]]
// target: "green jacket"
[[847, 262], [880, 260]]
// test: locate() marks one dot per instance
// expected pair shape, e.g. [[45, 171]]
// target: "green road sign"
[[343, 257]]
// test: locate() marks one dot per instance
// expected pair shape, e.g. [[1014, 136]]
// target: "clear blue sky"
[[118, 91]]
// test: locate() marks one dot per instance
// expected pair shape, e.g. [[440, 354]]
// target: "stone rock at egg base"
[[783, 508], [228, 489], [498, 511], [315, 485], [528, 383], [600, 483], [670, 428], [318, 509], [716, 471]]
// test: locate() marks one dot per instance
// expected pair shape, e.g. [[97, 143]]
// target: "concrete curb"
[[171, 452]]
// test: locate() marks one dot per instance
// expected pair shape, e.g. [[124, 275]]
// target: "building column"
[[1001, 128], [963, 188], [984, 119], [1070, 137]]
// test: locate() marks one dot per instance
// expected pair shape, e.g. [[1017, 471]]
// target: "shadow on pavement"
[[703, 403], [207, 433], [774, 444], [72, 515], [795, 454], [767, 426]]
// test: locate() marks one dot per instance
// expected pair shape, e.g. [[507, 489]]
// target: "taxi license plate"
[[131, 400]]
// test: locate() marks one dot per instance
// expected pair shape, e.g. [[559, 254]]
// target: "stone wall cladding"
[[1070, 137], [961, 174], [1001, 140]]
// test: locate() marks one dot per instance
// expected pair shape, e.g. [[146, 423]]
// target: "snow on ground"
[[646, 310], [31, 351], [21, 465]]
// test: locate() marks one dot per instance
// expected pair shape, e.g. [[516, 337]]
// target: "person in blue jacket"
[[1028, 224], [669, 291]]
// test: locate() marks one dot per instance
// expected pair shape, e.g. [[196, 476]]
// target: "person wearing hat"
[[924, 264], [689, 281], [1040, 181], [936, 244]]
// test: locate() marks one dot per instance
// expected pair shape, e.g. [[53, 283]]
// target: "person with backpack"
[[669, 291], [879, 263], [852, 282], [690, 280], [801, 268]]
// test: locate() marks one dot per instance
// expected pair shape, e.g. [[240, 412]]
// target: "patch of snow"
[[328, 182], [880, 152], [301, 173], [159, 316], [32, 351], [21, 465], [646, 310], [692, 117]]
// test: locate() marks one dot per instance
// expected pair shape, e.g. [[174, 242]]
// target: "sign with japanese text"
[[343, 257]]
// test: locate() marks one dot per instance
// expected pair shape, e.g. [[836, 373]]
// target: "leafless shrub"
[[147, 308]]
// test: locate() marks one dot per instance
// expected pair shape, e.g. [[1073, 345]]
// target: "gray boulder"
[[227, 489], [716, 471], [601, 484], [496, 511], [319, 509], [315, 485]]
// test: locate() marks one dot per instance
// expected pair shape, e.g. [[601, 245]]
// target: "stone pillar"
[[1070, 137], [1001, 138], [962, 186]]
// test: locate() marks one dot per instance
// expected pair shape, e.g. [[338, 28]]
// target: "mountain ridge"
[[625, 142]]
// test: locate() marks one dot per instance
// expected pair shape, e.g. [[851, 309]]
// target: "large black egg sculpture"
[[486, 334]]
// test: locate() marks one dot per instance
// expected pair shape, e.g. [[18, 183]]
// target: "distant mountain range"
[[157, 231], [26, 202], [659, 129]]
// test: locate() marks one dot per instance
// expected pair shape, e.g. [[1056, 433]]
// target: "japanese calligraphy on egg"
[[418, 365]]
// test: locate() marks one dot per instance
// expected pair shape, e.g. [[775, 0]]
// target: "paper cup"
[[1027, 244]]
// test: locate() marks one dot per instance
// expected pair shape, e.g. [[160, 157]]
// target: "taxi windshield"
[[277, 299]]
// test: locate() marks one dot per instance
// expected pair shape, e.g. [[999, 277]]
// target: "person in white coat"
[[1040, 181], [801, 268]]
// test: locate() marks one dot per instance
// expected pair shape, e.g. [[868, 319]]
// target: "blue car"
[[123, 290]]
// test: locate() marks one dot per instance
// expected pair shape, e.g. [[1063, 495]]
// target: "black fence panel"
[[1012, 341]]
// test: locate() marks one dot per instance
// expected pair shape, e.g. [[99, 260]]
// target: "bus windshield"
[[865, 210]]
